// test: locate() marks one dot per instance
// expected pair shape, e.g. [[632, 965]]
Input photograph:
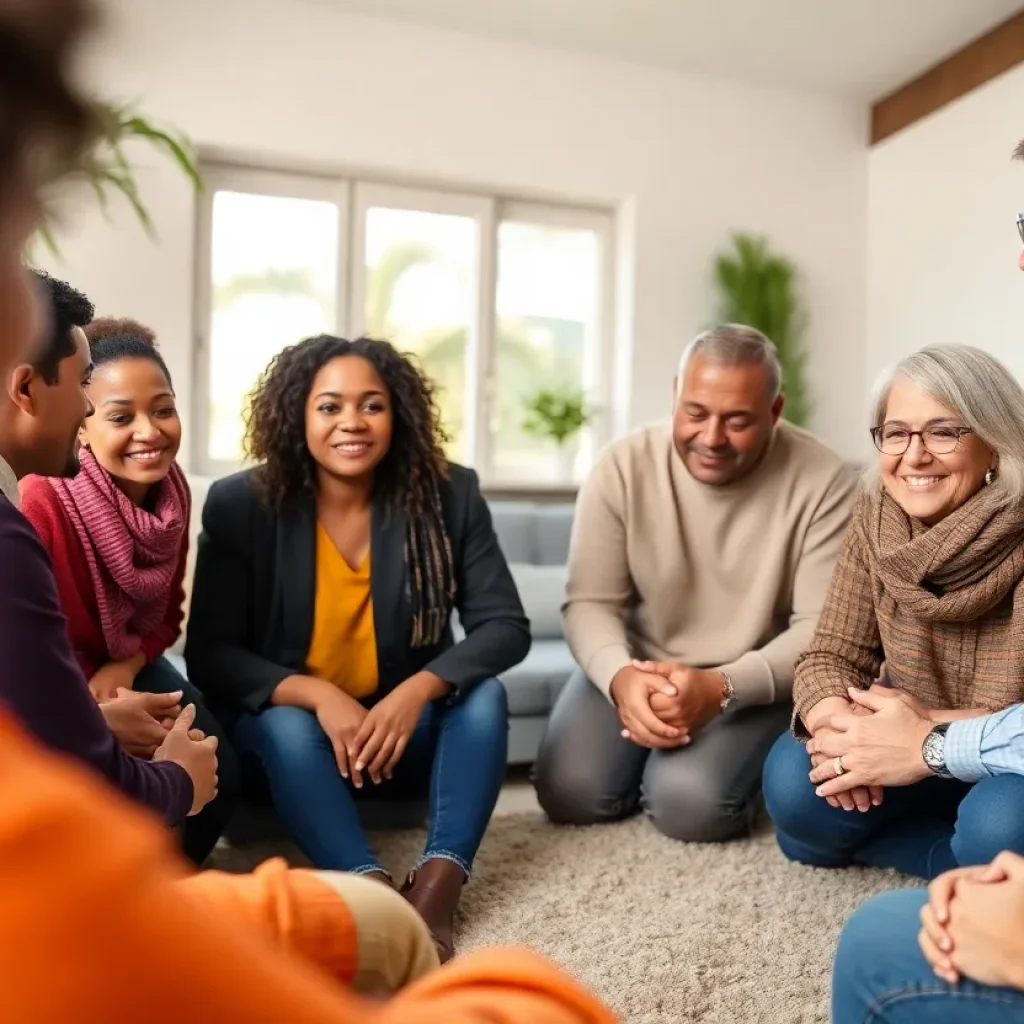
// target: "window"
[[499, 300]]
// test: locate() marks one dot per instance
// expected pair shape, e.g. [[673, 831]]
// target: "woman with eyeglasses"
[[917, 773]]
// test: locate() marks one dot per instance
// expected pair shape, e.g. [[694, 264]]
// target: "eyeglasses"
[[1020, 226], [893, 440]]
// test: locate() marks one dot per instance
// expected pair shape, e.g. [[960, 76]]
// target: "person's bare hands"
[[197, 757], [882, 748], [114, 676], [698, 696], [381, 740], [918, 707], [140, 721], [817, 720], [341, 716], [631, 691], [984, 937], [934, 939]]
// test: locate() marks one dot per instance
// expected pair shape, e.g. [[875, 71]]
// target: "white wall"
[[942, 245], [685, 160]]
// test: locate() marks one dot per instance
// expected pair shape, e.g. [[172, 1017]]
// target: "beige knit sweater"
[[662, 566]]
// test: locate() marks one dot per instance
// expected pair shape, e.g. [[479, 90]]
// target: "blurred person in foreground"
[[88, 882]]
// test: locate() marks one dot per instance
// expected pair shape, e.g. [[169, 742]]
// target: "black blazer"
[[251, 617]]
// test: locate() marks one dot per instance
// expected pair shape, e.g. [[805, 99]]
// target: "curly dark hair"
[[114, 338], [407, 480], [67, 308]]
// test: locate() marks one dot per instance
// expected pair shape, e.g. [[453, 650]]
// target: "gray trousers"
[[705, 792]]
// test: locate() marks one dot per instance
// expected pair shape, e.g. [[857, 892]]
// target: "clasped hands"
[[662, 704], [876, 737], [373, 740], [973, 924]]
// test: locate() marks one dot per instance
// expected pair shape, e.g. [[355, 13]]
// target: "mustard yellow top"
[[343, 650]]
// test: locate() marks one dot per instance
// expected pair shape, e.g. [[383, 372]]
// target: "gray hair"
[[734, 344], [981, 390]]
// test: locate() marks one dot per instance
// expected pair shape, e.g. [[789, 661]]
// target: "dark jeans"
[[923, 830], [706, 792], [881, 976], [201, 832], [455, 756]]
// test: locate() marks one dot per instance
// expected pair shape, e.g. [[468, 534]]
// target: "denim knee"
[[281, 733], [990, 820], [788, 794], [878, 954], [484, 709]]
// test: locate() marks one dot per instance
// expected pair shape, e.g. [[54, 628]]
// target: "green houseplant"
[[558, 415], [758, 287], [108, 170]]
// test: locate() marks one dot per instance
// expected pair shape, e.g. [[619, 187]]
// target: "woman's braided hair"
[[407, 480]]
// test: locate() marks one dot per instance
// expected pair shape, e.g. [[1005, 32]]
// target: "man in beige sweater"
[[699, 561]]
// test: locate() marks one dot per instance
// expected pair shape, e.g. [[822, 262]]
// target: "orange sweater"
[[96, 926]]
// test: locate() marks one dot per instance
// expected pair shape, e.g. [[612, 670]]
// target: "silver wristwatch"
[[933, 750], [728, 692]]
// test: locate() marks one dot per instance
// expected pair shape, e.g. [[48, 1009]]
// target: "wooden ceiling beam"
[[977, 63]]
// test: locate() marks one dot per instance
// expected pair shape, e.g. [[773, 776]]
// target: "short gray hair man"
[[735, 344]]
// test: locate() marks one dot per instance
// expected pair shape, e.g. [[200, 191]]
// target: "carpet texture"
[[665, 932]]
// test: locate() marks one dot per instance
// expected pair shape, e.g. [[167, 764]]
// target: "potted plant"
[[759, 288], [558, 415], [108, 171]]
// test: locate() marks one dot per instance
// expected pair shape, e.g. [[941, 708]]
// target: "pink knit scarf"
[[133, 553]]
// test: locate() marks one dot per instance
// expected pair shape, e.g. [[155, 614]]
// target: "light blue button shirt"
[[990, 745]]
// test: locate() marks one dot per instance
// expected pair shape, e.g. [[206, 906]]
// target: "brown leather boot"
[[434, 891]]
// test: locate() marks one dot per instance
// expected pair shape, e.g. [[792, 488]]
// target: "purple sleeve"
[[41, 683]]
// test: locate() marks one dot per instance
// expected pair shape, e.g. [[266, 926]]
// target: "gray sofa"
[[535, 540]]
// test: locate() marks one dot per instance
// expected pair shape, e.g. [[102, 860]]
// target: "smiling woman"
[[321, 614], [929, 579], [117, 536]]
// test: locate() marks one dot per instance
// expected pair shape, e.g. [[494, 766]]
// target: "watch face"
[[934, 751]]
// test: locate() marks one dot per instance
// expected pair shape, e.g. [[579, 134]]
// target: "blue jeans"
[[455, 757], [881, 976], [924, 829], [201, 832]]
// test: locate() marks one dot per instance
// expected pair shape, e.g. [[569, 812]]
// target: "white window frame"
[[353, 197], [479, 338], [265, 183], [599, 351]]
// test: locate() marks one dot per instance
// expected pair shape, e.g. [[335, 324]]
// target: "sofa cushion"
[[542, 591], [514, 525], [534, 684], [553, 525]]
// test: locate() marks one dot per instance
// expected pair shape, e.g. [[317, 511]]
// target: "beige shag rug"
[[665, 932]]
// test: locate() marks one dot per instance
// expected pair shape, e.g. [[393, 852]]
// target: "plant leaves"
[[760, 288]]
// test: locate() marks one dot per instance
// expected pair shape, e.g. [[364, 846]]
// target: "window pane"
[[420, 288], [548, 305], [275, 270]]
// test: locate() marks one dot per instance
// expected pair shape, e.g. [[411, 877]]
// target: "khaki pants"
[[358, 930]]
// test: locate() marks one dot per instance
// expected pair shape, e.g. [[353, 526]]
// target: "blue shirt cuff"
[[963, 749]]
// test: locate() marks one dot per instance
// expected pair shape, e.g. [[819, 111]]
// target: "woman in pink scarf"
[[117, 533]]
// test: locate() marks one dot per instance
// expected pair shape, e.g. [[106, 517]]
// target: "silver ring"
[[837, 765]]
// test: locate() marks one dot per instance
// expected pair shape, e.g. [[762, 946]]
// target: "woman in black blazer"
[[324, 588]]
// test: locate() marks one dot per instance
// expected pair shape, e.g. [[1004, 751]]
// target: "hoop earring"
[[990, 475]]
